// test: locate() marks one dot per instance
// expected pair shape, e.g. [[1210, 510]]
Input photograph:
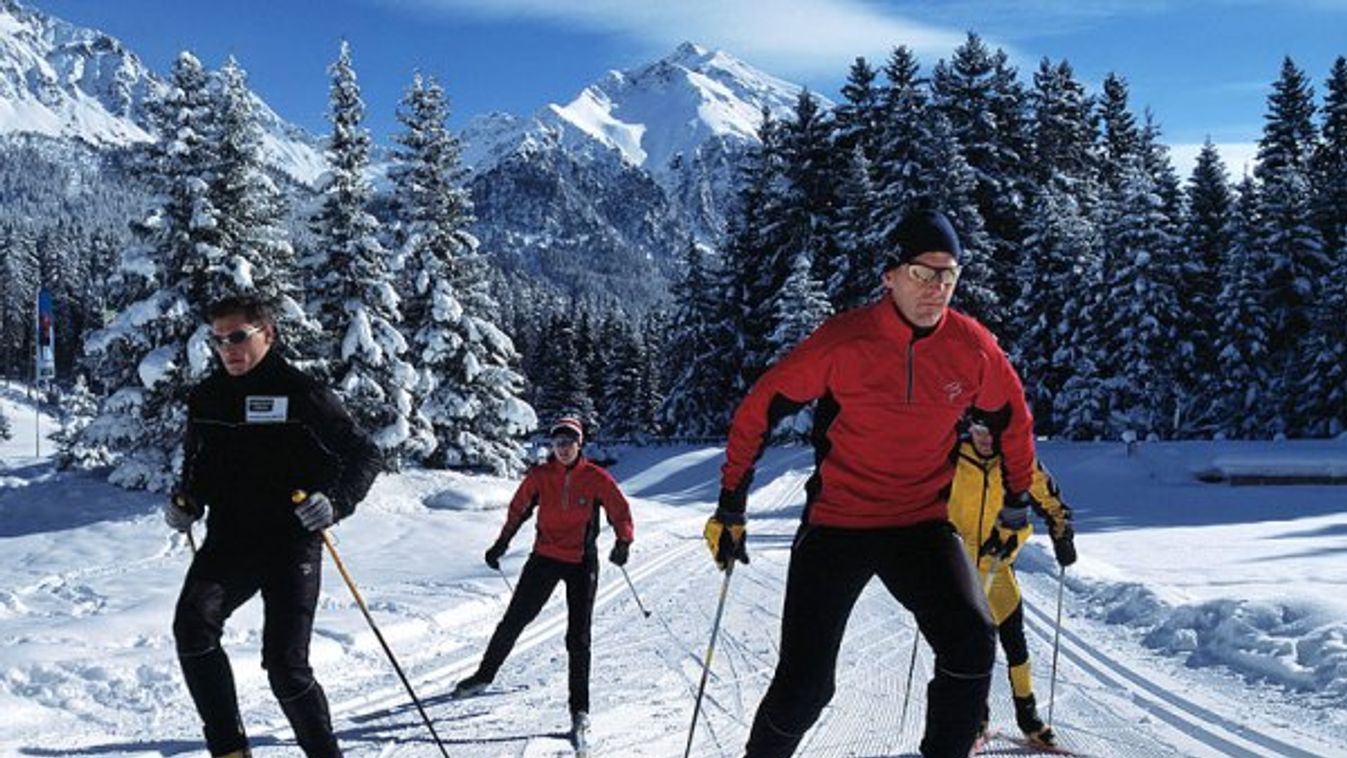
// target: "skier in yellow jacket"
[[974, 502]]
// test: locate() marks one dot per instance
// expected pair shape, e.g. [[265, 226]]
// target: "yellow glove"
[[726, 537]]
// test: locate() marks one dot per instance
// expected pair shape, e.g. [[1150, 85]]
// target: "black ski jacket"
[[254, 439]]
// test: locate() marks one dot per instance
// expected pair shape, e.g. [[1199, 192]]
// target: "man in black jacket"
[[257, 431]]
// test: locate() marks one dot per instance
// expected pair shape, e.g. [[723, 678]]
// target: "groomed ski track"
[[645, 671]]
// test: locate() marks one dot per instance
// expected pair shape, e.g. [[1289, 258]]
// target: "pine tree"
[[1324, 385], [855, 276], [154, 350], [1058, 333], [1245, 376], [1120, 139], [563, 388], [979, 92], [251, 215], [749, 274], [949, 184], [1143, 325], [354, 298], [1208, 239], [79, 407], [700, 349], [898, 167], [800, 308], [468, 396], [859, 118], [1297, 261], [1062, 134]]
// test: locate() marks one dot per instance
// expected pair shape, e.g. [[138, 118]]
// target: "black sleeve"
[[191, 446], [359, 458]]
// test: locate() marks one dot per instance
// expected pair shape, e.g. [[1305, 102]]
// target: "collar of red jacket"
[[893, 324]]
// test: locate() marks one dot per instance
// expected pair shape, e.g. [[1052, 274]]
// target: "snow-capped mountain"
[[67, 82], [621, 176]]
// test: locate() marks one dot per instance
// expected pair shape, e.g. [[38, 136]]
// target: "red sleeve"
[[800, 377], [617, 508], [522, 504], [1003, 392]]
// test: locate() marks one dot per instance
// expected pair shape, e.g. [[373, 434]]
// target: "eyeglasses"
[[560, 442], [233, 338], [924, 274]]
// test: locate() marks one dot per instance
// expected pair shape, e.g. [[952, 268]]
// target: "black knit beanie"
[[922, 231]]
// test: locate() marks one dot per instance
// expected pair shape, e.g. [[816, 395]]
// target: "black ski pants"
[[539, 577], [220, 580], [926, 569]]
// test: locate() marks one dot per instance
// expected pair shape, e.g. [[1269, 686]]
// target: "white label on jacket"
[[263, 409]]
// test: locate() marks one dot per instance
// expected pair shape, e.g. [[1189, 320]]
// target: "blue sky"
[[1203, 66]]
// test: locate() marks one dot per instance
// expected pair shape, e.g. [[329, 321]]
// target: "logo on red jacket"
[[953, 390]]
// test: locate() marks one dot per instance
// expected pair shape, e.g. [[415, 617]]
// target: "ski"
[[980, 743], [485, 691], [580, 736], [1028, 743]]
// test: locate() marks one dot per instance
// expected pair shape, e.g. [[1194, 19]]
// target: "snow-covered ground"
[[1202, 619]]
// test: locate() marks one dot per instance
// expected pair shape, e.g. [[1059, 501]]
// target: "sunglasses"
[[233, 338], [930, 274]]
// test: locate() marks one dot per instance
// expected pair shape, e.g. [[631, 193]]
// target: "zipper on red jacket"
[[566, 490], [910, 345]]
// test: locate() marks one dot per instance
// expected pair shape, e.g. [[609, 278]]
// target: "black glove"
[[1064, 546], [1011, 529], [315, 512], [180, 512], [494, 553], [619, 554]]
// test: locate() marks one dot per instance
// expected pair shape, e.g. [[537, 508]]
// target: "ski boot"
[[473, 685], [1026, 716]]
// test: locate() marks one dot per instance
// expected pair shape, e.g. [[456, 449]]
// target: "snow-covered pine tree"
[[1062, 134], [352, 293], [1288, 233], [1141, 331], [5, 431], [949, 184], [20, 273], [858, 117], [700, 351], [1324, 384], [1207, 240], [79, 407], [749, 279], [1245, 376], [624, 376], [855, 277], [251, 215], [980, 94], [563, 383], [806, 207], [154, 350], [800, 307], [470, 410], [1057, 325], [898, 167], [1119, 136]]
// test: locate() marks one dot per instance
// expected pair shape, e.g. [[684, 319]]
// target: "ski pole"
[[191, 541], [633, 592], [911, 667], [299, 496], [1056, 639], [710, 648], [501, 571]]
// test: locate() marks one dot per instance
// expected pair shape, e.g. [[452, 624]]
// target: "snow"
[[1196, 608]]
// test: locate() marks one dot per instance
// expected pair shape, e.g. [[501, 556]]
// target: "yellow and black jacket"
[[974, 501]]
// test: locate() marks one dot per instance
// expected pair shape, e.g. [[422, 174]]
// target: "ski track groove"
[[1196, 721]]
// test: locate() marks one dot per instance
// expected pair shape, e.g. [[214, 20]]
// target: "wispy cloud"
[[800, 38]]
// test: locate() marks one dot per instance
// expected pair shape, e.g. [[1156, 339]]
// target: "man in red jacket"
[[891, 381], [568, 492]]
